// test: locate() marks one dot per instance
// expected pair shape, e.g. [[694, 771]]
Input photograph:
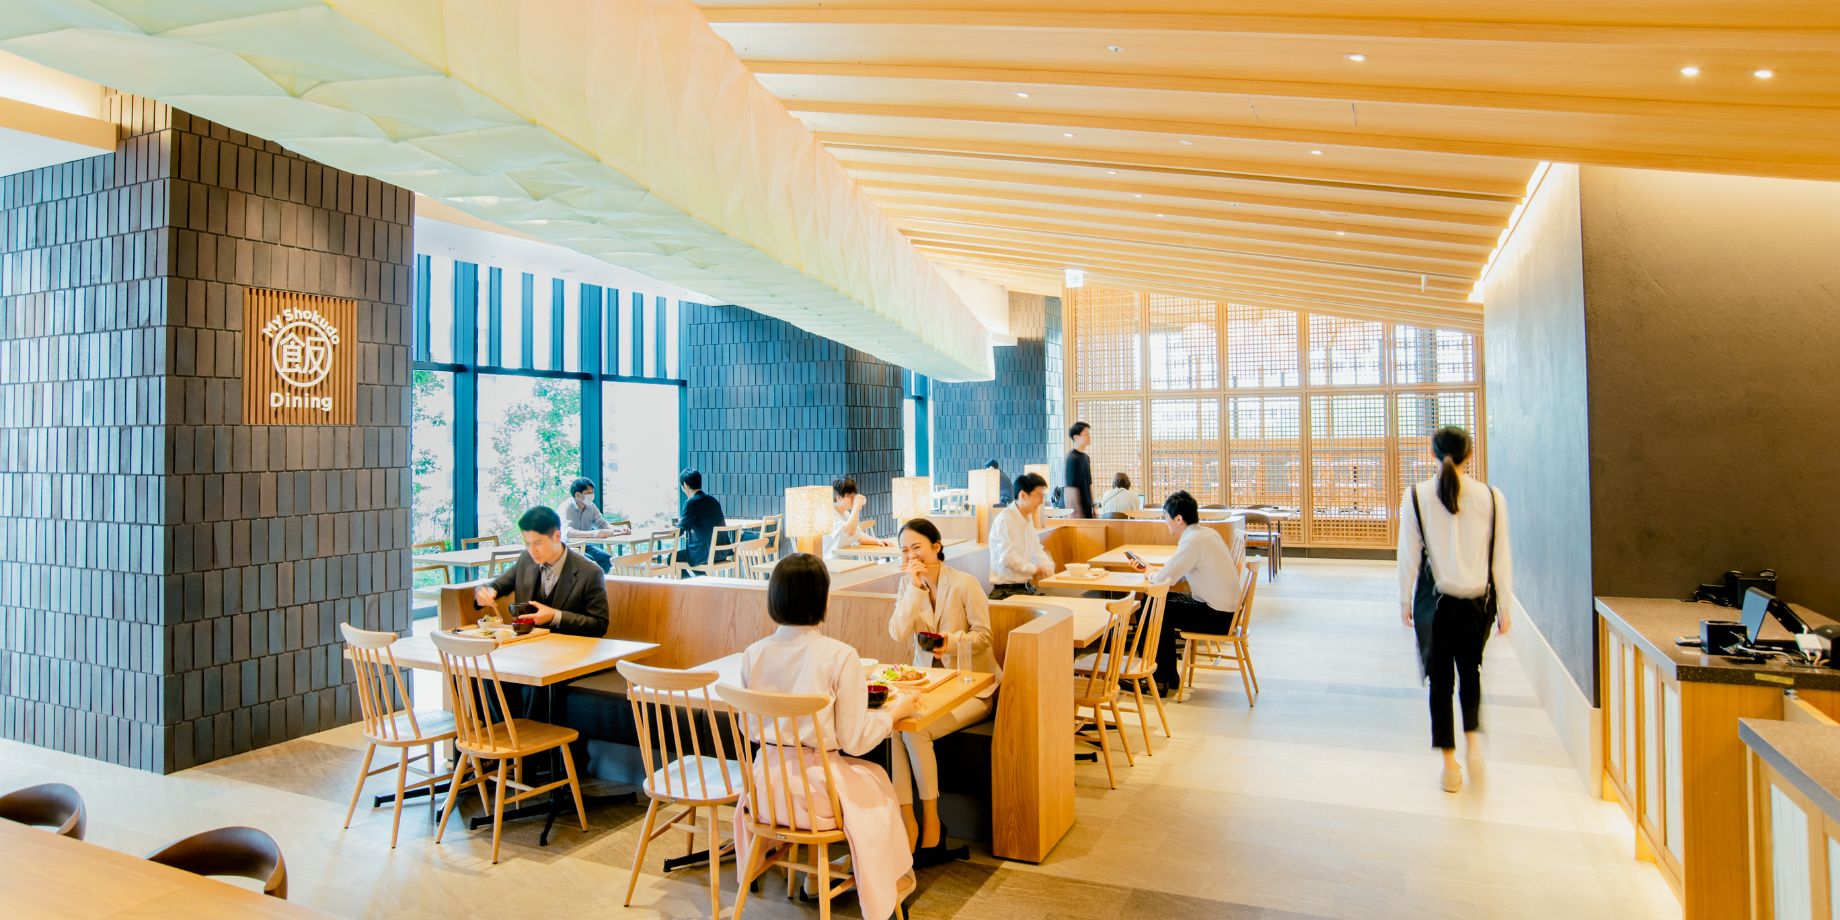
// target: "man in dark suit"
[[566, 589], [702, 515]]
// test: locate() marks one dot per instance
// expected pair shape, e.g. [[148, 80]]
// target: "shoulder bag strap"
[[1494, 510], [1424, 546]]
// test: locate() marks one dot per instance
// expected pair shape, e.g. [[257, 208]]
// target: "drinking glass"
[[961, 661]]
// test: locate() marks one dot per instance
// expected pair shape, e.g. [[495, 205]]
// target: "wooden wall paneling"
[[1031, 772], [1713, 780], [265, 378]]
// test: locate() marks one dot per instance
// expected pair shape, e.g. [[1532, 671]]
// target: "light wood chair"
[[1268, 536], [53, 805], [756, 560], [239, 852], [724, 539], [1232, 646], [430, 546], [645, 564], [1137, 673], [496, 565], [390, 724], [770, 531], [1097, 688], [779, 786], [672, 711], [472, 679]]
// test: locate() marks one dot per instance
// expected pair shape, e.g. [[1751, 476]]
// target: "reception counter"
[[1672, 753], [1794, 770]]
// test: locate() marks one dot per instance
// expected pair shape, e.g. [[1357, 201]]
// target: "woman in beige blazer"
[[935, 598]]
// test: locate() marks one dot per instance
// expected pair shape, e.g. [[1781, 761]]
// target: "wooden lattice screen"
[[1327, 414]]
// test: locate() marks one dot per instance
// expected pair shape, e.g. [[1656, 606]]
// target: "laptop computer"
[[1758, 606]]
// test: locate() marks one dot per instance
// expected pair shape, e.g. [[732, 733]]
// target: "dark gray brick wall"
[[1013, 418], [769, 406], [176, 586]]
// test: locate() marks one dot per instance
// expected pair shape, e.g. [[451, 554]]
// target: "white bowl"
[[1078, 569]]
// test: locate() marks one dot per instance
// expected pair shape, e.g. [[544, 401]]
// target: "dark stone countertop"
[[1654, 622], [1808, 756]]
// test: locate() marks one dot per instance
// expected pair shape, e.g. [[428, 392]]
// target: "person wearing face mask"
[[848, 531], [939, 612]]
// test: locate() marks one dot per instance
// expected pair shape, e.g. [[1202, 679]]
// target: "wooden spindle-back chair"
[[389, 722]]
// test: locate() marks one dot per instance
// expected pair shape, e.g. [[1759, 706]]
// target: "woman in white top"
[[1119, 498], [935, 598], [796, 658], [847, 532], [1454, 579]]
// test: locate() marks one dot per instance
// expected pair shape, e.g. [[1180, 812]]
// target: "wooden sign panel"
[[300, 359]]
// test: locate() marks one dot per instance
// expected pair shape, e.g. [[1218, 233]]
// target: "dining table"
[[887, 552], [943, 690], [470, 558], [1100, 580], [1153, 555], [541, 662], [1090, 614], [43, 874]]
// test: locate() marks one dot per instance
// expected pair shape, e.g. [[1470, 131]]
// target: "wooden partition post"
[[1031, 759]]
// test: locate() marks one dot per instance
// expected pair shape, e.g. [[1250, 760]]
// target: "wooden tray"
[[535, 633]]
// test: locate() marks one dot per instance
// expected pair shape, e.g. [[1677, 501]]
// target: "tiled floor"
[[1322, 802]]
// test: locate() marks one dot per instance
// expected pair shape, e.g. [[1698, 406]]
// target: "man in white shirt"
[[1016, 554], [1212, 565]]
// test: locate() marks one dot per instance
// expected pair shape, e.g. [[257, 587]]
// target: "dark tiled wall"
[[1014, 418], [769, 406], [83, 448], [196, 601]]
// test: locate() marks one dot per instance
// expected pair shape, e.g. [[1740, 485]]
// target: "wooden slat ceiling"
[[1238, 150]]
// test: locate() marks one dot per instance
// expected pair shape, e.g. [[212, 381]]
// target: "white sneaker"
[[1452, 779]]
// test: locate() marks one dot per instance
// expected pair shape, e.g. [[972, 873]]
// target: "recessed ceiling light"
[[1186, 142], [1341, 233], [1021, 95], [1315, 153], [1111, 172], [1114, 48], [1763, 73], [1689, 71], [1356, 58], [1159, 215], [1137, 195], [1066, 133]]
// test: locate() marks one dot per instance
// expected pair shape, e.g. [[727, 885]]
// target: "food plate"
[[1091, 574], [504, 635], [899, 675]]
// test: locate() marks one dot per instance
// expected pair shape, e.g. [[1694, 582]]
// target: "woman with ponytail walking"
[[1455, 582]]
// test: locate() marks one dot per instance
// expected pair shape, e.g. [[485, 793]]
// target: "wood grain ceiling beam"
[[1410, 285], [1182, 232], [1798, 35], [1053, 256], [1536, 146], [1724, 113], [1494, 218], [1169, 164], [996, 270], [1108, 209], [1203, 245]]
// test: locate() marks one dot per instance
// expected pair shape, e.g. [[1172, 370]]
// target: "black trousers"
[[1459, 630], [1183, 612], [999, 592]]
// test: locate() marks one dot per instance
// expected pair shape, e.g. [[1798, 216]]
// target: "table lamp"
[[913, 498], [986, 488], [1039, 469], [809, 516]]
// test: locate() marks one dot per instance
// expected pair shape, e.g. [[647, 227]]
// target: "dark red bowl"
[[930, 641]]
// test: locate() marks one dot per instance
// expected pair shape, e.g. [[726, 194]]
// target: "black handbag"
[[1425, 596]]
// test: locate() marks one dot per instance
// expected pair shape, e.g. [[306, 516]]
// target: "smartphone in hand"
[[1135, 559]]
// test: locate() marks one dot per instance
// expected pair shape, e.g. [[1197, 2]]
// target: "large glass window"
[[431, 463], [639, 434], [529, 448], [1250, 404]]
